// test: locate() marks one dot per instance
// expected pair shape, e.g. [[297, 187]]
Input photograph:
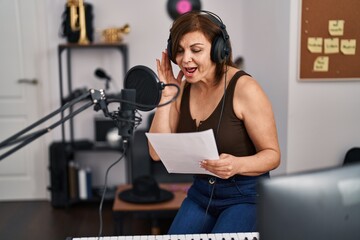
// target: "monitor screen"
[[321, 205]]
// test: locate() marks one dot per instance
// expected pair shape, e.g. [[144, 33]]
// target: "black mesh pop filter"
[[147, 86]]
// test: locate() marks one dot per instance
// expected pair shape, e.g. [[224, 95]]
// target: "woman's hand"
[[223, 167], [166, 75]]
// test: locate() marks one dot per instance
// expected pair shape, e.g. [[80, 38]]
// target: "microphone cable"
[[211, 181], [137, 121], [125, 145], [222, 104]]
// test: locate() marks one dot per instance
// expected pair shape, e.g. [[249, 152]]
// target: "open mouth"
[[190, 70]]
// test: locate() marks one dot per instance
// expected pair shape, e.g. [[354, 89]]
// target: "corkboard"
[[317, 18]]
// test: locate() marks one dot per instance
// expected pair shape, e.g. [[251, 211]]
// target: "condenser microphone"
[[126, 118], [147, 85]]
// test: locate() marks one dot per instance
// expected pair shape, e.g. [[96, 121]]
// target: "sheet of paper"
[[182, 152]]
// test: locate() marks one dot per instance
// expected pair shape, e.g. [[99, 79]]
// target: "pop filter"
[[147, 86]]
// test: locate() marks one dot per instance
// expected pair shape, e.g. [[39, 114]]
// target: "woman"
[[216, 95]]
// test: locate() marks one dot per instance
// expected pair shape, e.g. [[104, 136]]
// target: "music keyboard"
[[212, 236]]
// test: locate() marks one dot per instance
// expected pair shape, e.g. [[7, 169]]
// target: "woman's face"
[[193, 57]]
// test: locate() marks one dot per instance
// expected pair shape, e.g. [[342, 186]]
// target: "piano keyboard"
[[214, 236]]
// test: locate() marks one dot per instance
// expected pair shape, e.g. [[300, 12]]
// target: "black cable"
[[125, 143], [212, 181], [222, 105], [217, 135], [174, 98]]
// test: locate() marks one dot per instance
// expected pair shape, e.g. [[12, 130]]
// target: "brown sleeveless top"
[[232, 137]]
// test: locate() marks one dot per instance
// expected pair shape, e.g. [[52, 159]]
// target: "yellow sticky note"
[[336, 27], [314, 45], [348, 46], [321, 64], [331, 45]]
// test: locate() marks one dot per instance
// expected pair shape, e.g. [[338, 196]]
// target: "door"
[[23, 174]]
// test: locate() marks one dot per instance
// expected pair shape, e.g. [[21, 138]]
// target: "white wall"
[[266, 41], [317, 121], [323, 118]]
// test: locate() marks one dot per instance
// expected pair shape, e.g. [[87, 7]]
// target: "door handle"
[[28, 81]]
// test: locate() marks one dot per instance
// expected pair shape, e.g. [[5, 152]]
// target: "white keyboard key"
[[233, 236], [137, 237], [215, 236]]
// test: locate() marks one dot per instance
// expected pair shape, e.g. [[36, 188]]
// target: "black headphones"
[[220, 47]]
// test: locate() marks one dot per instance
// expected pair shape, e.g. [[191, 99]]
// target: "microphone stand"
[[125, 119], [96, 97]]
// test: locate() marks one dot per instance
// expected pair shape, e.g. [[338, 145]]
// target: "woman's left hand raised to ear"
[[166, 74]]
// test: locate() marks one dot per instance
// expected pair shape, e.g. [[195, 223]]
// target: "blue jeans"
[[214, 205]]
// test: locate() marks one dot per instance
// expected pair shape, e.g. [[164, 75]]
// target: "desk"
[[151, 210]]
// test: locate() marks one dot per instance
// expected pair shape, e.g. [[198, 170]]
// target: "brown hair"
[[205, 23]]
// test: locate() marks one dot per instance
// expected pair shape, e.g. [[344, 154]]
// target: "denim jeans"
[[215, 205]]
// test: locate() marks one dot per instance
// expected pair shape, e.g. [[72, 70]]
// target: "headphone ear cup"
[[169, 51], [219, 50]]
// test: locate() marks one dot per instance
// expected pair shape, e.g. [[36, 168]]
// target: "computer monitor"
[[321, 205]]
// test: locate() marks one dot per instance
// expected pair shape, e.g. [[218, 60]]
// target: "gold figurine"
[[115, 35]]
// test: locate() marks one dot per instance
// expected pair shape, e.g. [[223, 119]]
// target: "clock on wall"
[[177, 7]]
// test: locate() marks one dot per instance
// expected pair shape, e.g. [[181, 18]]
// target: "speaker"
[[60, 155], [102, 128], [220, 47]]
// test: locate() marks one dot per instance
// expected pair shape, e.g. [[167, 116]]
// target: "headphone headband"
[[220, 46]]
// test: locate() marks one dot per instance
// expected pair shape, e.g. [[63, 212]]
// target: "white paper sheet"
[[182, 152]]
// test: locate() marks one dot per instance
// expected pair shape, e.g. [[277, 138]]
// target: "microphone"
[[142, 91], [126, 116], [100, 73]]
